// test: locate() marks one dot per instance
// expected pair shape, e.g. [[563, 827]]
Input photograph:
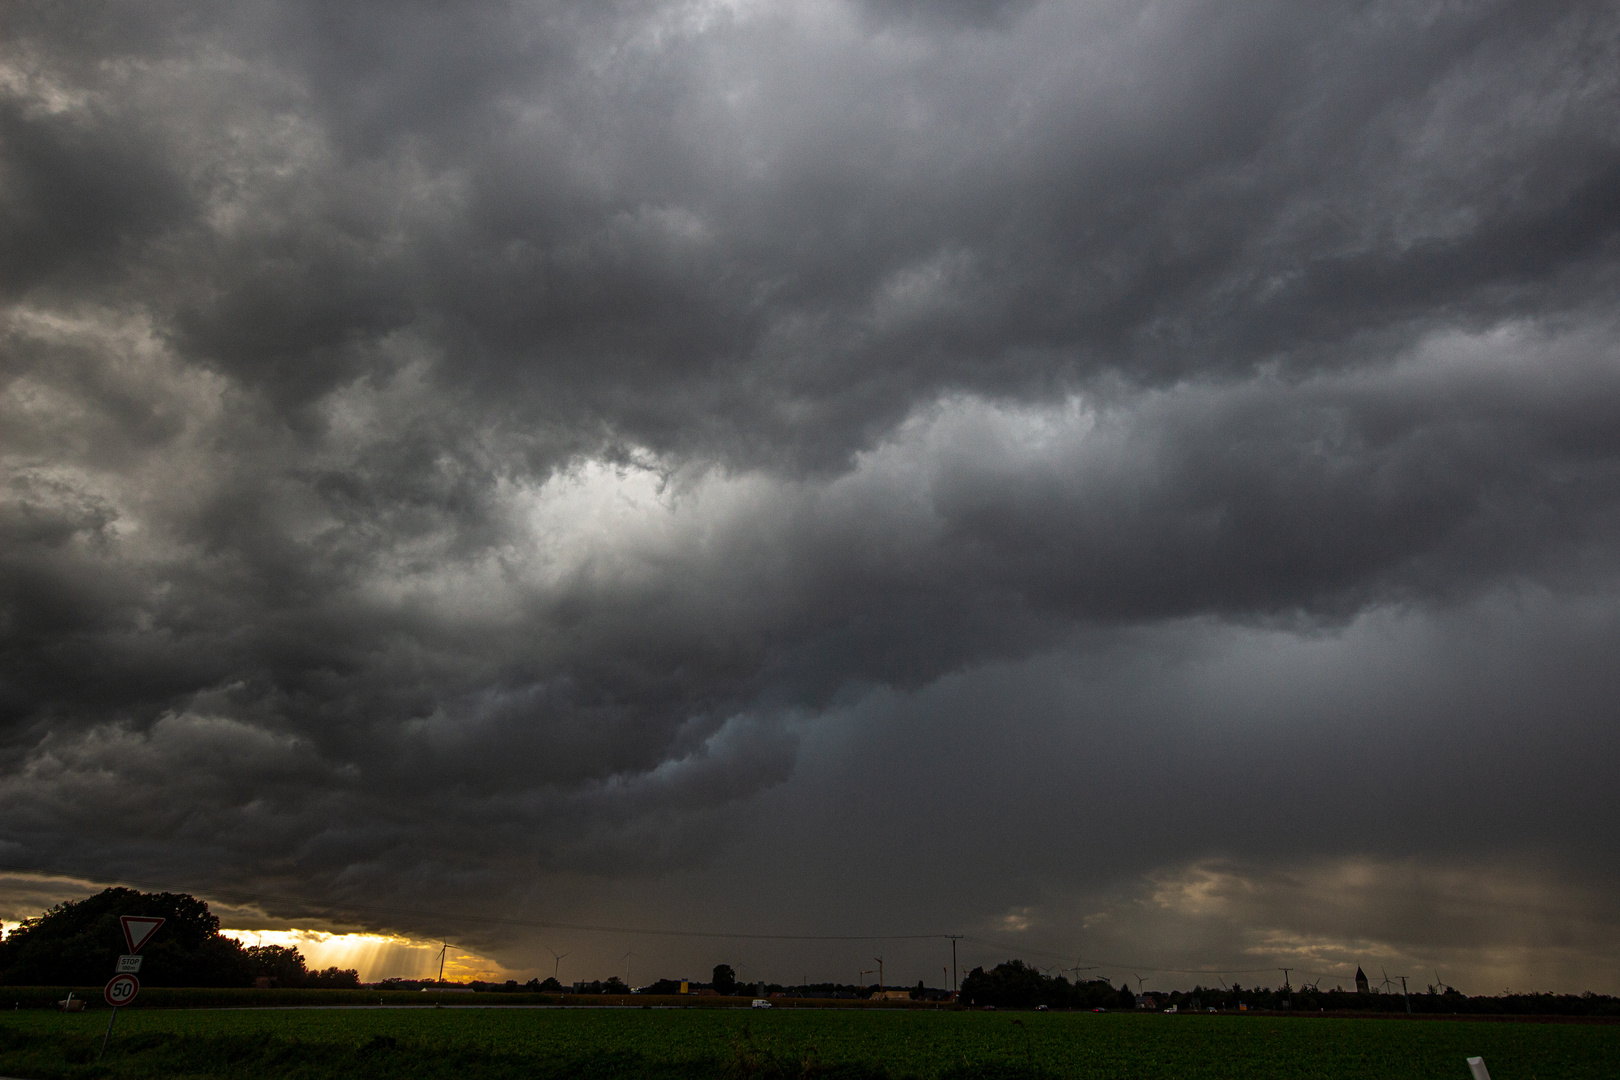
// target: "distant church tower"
[[1361, 981]]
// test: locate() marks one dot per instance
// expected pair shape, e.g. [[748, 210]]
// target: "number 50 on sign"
[[121, 990]]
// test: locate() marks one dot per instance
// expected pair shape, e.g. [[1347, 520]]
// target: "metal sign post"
[[107, 1034], [120, 990], [122, 987]]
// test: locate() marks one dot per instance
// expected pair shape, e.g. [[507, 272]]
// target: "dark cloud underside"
[[485, 451]]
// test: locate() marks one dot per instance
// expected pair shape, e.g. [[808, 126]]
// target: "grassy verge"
[[467, 1044]]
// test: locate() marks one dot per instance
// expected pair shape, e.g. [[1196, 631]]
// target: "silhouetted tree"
[[333, 978], [283, 966], [77, 943], [724, 980]]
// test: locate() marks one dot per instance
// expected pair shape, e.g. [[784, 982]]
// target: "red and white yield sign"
[[138, 930], [121, 990]]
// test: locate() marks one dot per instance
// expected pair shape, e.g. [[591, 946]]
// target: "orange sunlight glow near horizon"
[[376, 956]]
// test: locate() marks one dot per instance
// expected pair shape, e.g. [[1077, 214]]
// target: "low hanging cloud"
[[465, 454], [1323, 919]]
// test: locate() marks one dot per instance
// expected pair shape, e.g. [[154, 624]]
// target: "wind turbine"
[[556, 967], [1387, 983], [443, 949]]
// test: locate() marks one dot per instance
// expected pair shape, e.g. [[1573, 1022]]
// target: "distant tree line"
[[76, 943], [1017, 985], [1432, 1000]]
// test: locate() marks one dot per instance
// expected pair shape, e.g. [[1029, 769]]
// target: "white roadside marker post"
[[1476, 1065]]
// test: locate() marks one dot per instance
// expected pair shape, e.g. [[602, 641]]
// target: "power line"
[[545, 924], [1014, 948]]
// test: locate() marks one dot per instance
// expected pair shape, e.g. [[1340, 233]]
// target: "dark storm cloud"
[[1192, 796], [456, 446]]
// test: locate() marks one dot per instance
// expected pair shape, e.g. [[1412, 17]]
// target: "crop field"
[[586, 1043]]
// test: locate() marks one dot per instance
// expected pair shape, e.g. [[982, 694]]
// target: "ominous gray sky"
[[1131, 481]]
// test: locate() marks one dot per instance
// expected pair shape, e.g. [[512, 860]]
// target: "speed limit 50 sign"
[[121, 990]]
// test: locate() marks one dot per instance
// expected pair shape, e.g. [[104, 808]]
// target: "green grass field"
[[468, 1044]]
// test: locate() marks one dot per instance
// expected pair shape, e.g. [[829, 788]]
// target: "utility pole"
[[954, 939], [879, 960], [1403, 992], [1285, 972]]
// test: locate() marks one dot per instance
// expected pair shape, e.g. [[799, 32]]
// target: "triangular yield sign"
[[138, 930]]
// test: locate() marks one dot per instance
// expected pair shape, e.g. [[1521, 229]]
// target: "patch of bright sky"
[[376, 956]]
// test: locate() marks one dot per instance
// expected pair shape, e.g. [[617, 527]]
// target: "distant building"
[[891, 995], [1147, 1001], [1362, 986]]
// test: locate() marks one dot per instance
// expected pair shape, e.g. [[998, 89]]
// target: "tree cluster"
[[77, 943], [1016, 985], [277, 965]]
